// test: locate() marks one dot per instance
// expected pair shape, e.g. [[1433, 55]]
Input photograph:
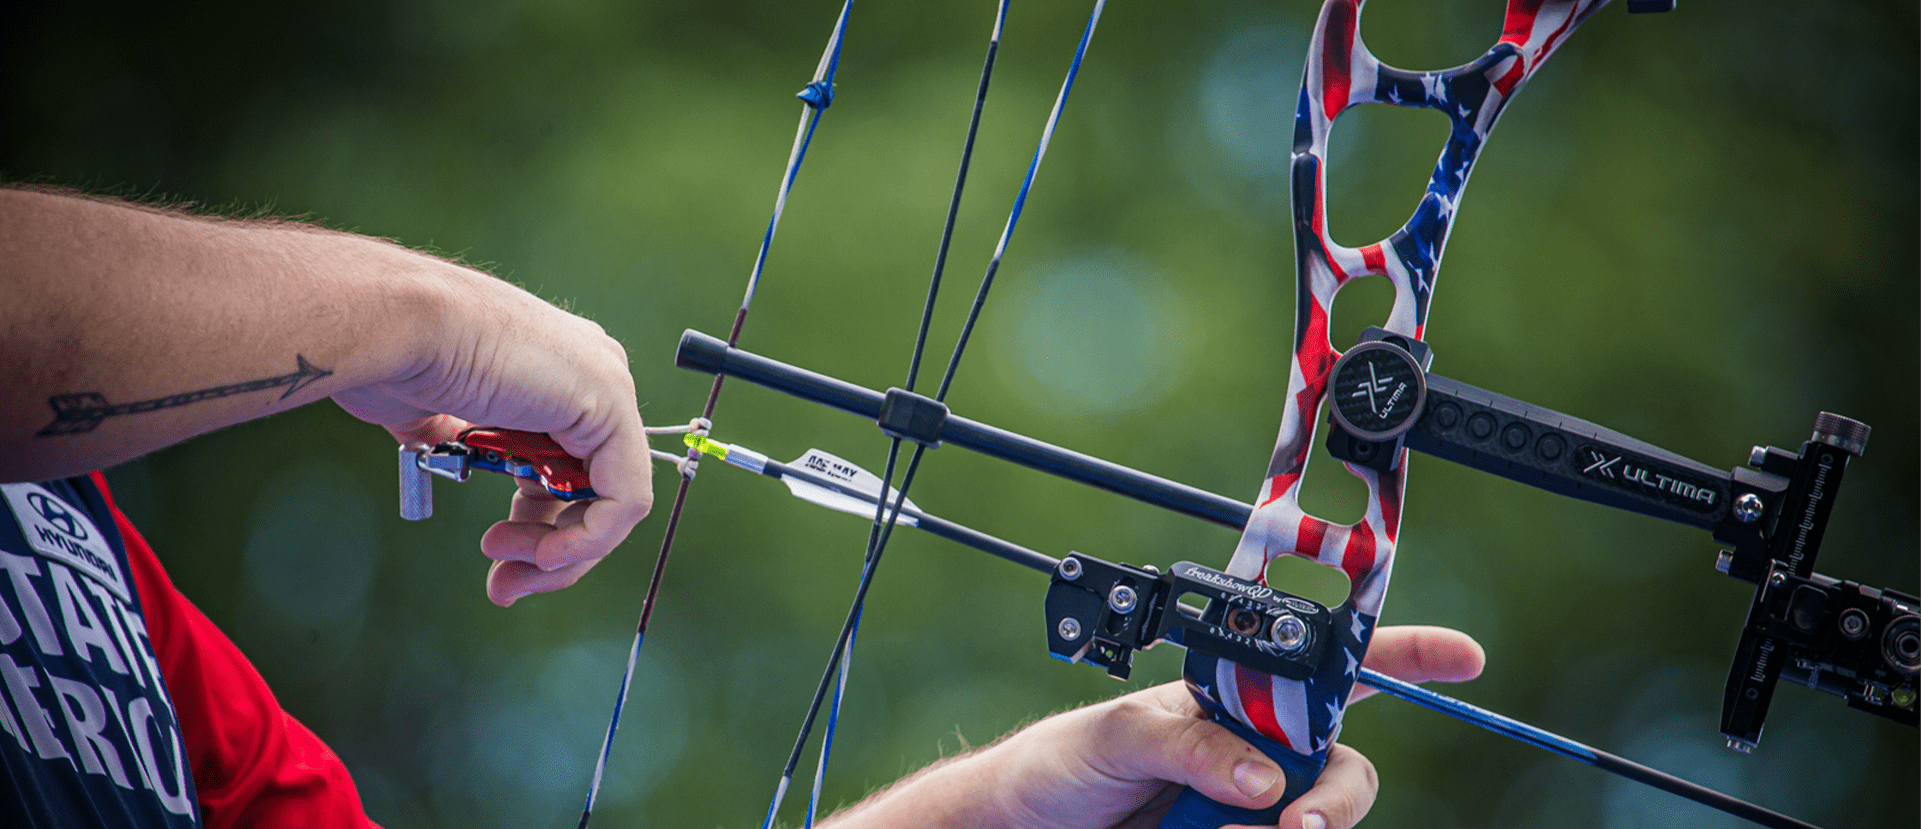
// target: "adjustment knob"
[[1843, 433]]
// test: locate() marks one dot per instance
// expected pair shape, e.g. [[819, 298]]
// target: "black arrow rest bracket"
[[1836, 636], [1101, 613]]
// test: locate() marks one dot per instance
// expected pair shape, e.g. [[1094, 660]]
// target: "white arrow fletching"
[[854, 489]]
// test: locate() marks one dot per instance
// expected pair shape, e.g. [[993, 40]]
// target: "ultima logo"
[[57, 514], [1636, 475]]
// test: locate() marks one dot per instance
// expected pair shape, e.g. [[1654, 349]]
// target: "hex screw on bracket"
[[1748, 508], [1244, 621], [1289, 632], [1122, 598], [1070, 568], [1069, 629], [1854, 623]]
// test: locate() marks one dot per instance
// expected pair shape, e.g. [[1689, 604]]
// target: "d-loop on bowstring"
[[696, 431]]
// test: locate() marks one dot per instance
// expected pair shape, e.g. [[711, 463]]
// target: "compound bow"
[[1308, 654]]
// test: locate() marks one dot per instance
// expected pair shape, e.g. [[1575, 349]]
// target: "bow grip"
[[531, 455], [1193, 810]]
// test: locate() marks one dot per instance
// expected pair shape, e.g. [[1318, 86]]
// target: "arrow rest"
[[1100, 613]]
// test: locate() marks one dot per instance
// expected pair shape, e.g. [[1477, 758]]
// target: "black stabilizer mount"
[[1377, 391], [1099, 612]]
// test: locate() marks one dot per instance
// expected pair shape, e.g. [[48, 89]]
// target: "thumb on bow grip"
[[1193, 810], [562, 474]]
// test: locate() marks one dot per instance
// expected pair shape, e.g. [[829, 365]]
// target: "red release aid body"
[[529, 455]]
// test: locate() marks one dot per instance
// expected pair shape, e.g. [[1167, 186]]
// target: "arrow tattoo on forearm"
[[82, 412]]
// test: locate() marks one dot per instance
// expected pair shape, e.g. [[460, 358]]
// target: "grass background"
[[1697, 228]]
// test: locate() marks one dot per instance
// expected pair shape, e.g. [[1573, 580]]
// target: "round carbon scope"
[[1376, 390]]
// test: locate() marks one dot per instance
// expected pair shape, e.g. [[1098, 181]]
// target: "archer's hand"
[[499, 356], [126, 303], [1120, 763]]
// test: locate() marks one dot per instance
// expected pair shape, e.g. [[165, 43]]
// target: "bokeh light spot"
[[1095, 335]]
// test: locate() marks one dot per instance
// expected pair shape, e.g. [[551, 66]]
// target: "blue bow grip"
[[1193, 810]]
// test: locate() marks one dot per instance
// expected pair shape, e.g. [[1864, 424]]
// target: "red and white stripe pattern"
[[1340, 73]]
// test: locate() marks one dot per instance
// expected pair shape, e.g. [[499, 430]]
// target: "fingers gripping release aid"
[[530, 455]]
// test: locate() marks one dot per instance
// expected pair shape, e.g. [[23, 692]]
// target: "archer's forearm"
[[125, 329], [959, 792]]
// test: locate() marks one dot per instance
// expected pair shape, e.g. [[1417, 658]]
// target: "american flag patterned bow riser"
[[1304, 717]]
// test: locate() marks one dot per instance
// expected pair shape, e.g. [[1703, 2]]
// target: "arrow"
[[840, 486], [853, 483], [76, 413]]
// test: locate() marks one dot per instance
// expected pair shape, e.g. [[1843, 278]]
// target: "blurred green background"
[[1697, 228]]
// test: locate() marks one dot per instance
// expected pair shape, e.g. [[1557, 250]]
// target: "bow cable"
[[815, 98], [913, 377], [835, 673]]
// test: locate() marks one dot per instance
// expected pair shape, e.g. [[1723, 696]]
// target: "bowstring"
[[835, 673], [815, 98], [913, 376]]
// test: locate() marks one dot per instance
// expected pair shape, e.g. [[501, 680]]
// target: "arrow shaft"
[[1406, 691]]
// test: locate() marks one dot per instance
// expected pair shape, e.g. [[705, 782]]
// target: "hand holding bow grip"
[[530, 455], [1100, 613], [1193, 810]]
